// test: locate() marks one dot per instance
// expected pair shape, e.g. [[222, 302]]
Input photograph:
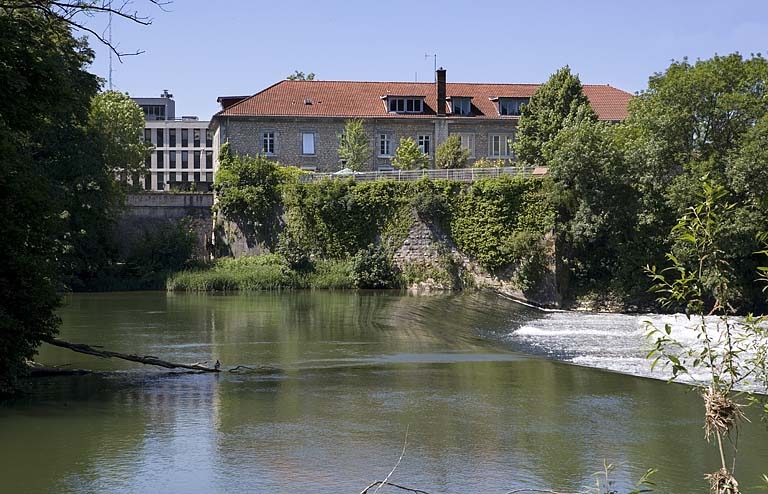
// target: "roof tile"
[[348, 99]]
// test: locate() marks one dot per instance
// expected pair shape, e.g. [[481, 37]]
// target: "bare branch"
[[67, 11], [381, 482], [146, 359], [405, 444]]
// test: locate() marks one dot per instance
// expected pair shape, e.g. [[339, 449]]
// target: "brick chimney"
[[440, 92]]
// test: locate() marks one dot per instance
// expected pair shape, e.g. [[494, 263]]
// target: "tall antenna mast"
[[109, 26], [434, 56]]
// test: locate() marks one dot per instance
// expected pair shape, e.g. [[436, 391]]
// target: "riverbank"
[[267, 272]]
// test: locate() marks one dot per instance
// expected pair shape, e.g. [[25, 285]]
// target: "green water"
[[358, 370]]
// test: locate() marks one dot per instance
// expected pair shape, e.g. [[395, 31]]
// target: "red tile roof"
[[347, 99]]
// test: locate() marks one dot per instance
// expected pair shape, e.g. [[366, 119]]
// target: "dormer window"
[[405, 105], [461, 106], [511, 106]]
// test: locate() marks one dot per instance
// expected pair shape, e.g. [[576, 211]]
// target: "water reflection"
[[359, 368]]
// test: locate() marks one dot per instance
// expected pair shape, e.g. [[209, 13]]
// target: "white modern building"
[[182, 154]]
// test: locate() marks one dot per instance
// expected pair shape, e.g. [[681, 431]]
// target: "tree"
[[354, 145], [71, 13], [451, 154], [301, 76], [409, 156], [45, 179], [557, 100], [56, 194], [707, 119], [119, 122]]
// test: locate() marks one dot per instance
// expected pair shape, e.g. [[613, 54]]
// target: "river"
[[483, 393]]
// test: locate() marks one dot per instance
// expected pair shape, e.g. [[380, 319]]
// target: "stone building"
[[299, 122], [182, 155]]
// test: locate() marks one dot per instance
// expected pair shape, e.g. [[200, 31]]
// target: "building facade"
[[300, 122], [182, 148]]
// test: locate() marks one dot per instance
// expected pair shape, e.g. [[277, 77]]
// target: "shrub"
[[373, 268]]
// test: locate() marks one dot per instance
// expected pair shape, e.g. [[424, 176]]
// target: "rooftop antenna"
[[434, 57], [109, 26]]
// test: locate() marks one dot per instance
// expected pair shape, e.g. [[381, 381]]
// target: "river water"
[[483, 393]]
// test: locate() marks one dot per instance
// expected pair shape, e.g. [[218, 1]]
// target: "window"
[[196, 138], [307, 143], [461, 106], [172, 138], [500, 145], [185, 159], [209, 177], [196, 177], [148, 161], [160, 181], [208, 138], [425, 143], [268, 142], [171, 159], [154, 112], [209, 159], [406, 105], [385, 145], [468, 142], [196, 156], [160, 159], [184, 138], [148, 136], [511, 106], [159, 139], [147, 182]]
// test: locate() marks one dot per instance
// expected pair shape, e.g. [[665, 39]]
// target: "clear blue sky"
[[201, 49]]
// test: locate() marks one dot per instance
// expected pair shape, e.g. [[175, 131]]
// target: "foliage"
[[70, 14], [248, 187], [301, 76], [429, 202], [491, 163], [559, 99], [55, 195], [450, 154], [618, 188], [373, 268], [267, 272], [119, 123], [699, 111], [164, 249], [337, 218], [598, 209], [408, 155], [499, 221], [731, 353], [354, 145]]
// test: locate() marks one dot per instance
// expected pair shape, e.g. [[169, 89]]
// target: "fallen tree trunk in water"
[[147, 359], [39, 370]]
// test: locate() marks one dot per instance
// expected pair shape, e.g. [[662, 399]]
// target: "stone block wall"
[[145, 213], [244, 135]]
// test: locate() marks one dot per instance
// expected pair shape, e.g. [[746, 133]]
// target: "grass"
[[267, 272]]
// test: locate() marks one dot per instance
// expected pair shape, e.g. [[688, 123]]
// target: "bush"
[[373, 268]]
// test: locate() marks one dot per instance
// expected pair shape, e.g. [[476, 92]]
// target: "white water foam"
[[615, 342]]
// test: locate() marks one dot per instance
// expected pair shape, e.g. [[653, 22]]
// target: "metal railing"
[[460, 174]]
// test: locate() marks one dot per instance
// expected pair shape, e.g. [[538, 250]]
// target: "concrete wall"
[[145, 213]]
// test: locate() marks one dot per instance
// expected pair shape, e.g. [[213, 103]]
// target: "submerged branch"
[[146, 359], [382, 483]]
